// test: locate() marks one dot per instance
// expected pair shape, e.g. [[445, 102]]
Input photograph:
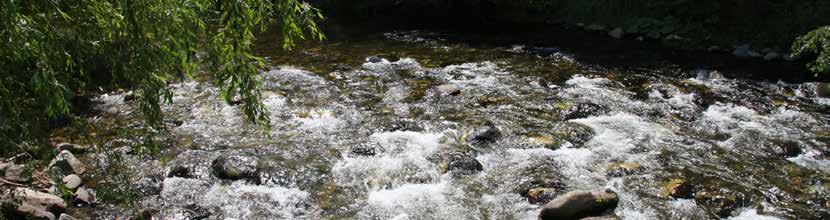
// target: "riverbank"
[[751, 31]]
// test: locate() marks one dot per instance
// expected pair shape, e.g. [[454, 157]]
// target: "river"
[[422, 124]]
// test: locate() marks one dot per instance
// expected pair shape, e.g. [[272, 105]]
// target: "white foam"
[[236, 201], [752, 214], [402, 158]]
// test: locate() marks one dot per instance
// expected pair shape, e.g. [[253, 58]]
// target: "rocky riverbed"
[[408, 125]]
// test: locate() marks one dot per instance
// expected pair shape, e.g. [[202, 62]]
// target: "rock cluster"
[[48, 204]]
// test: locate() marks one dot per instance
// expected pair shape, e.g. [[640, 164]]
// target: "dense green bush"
[[816, 42], [54, 51]]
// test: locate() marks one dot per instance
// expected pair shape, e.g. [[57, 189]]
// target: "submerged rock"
[[575, 133], [364, 150], [464, 164], [580, 204], [236, 167], [67, 162], [489, 134], [541, 195], [720, 203], [581, 110], [374, 59], [678, 188], [786, 148], [622, 169]]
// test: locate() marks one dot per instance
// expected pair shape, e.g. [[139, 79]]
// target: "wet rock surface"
[[580, 204]]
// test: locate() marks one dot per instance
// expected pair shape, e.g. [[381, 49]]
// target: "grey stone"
[[580, 204], [84, 196], [68, 163], [616, 33], [37, 204], [72, 181], [15, 173]]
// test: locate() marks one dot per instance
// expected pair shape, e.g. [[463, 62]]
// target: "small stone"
[[753, 53], [37, 204], [713, 49], [640, 38], [374, 59], [489, 135], [448, 89], [74, 148], [580, 204], [790, 57], [364, 150], [84, 196], [72, 181], [464, 164], [67, 162], [64, 216], [616, 33], [678, 188]]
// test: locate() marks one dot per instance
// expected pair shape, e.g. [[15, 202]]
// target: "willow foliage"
[[816, 42], [52, 51]]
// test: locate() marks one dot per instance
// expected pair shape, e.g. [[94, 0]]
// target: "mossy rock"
[[678, 188], [623, 168]]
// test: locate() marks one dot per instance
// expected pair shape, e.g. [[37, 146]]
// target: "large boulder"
[[580, 204], [68, 163], [37, 204]]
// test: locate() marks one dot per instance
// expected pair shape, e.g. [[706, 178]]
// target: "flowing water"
[[410, 125]]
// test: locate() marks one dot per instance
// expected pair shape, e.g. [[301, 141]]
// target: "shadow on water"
[[594, 49]]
